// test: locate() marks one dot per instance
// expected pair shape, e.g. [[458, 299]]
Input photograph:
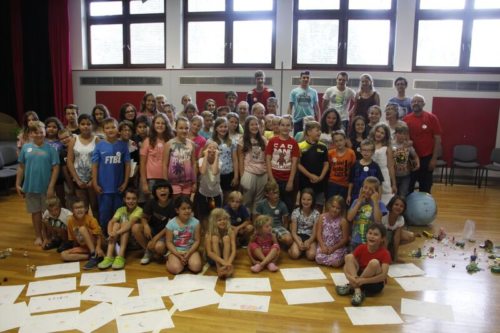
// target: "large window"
[[229, 33], [457, 35], [126, 33], [344, 33]]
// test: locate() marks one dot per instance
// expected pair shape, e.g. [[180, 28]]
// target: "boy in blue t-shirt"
[[110, 171], [363, 168], [37, 175], [272, 206], [240, 217]]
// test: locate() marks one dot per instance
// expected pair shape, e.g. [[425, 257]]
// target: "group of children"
[[172, 181]]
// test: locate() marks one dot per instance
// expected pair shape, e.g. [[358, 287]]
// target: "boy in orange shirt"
[[341, 161]]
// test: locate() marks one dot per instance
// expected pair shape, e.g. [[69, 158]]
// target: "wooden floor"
[[473, 297]]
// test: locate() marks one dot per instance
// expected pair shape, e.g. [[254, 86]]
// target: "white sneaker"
[[146, 258]]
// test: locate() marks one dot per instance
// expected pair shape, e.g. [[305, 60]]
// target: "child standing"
[[313, 165], [273, 207], [381, 136], [53, 125], [194, 135], [405, 159], [71, 116], [110, 171], [330, 123], [357, 134], [374, 116], [341, 159], [99, 113], [54, 228], [365, 210], [362, 169], [86, 235], [252, 163], [152, 151], [24, 135], [220, 242], [179, 162], [333, 234], [303, 227], [229, 160], [240, 217], [150, 233], [37, 175], [394, 223], [233, 123], [367, 267], [119, 231], [183, 239], [209, 195], [263, 249], [65, 188], [208, 121], [79, 162], [282, 155]]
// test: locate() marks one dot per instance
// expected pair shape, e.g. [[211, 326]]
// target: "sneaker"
[[54, 243], [65, 246], [106, 263], [146, 258], [272, 267], [256, 268], [92, 263], [344, 290], [357, 299], [118, 263]]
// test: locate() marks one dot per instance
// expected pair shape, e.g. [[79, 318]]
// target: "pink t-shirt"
[[199, 143], [254, 159], [154, 155]]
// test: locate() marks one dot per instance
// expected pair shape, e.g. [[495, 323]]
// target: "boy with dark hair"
[[367, 267]]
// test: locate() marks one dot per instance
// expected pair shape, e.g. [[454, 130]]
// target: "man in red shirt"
[[260, 93], [425, 132]]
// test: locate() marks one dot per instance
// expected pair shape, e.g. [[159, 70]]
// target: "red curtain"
[[60, 55], [17, 56]]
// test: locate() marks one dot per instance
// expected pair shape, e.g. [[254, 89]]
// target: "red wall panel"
[[115, 99], [471, 121]]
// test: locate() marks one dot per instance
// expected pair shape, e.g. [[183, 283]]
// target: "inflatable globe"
[[421, 209]]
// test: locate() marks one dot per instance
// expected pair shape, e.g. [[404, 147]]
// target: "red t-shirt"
[[363, 256], [255, 96], [423, 128], [281, 152]]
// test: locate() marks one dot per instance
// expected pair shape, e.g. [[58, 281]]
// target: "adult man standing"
[[341, 98], [425, 132], [260, 93], [303, 102], [404, 102]]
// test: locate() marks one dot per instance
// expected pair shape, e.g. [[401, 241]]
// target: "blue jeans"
[[403, 184], [298, 126], [108, 205], [336, 189]]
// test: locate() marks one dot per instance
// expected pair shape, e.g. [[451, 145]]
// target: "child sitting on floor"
[[85, 233], [240, 217], [220, 242], [54, 226], [263, 249], [367, 267], [119, 231]]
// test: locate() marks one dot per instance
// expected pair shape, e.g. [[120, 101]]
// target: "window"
[[457, 35], [127, 33], [229, 33], [344, 33]]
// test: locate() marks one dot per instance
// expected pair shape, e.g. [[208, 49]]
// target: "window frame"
[[229, 16], [344, 15], [467, 16], [125, 19]]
